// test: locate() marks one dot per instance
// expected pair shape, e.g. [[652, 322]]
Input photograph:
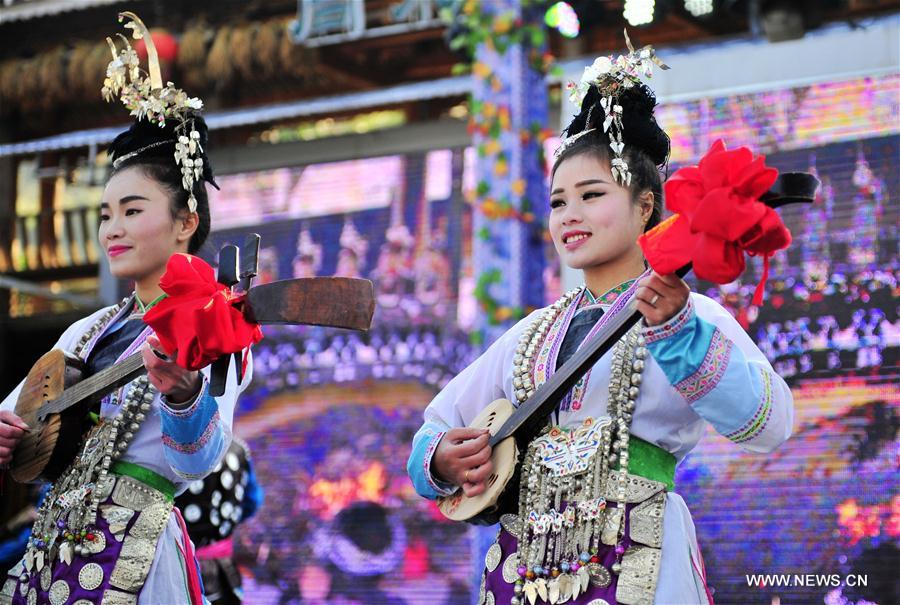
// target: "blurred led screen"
[[330, 414]]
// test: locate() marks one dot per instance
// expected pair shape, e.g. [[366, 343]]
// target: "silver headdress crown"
[[145, 96], [610, 77]]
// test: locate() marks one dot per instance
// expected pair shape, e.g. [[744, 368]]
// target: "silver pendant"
[[612, 521], [59, 592], [510, 569], [511, 524], [9, 590], [66, 553], [115, 597], [18, 568], [600, 576], [95, 546], [91, 576], [134, 563], [492, 559]]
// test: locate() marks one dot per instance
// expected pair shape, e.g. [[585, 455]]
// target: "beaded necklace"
[[558, 546], [63, 528]]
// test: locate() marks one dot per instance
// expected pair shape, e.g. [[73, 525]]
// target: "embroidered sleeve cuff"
[[186, 409], [681, 348], [418, 466], [709, 373], [441, 487], [193, 437], [754, 426], [672, 326]]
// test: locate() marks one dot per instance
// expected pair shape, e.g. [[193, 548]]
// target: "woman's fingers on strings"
[[660, 297], [475, 479], [463, 433], [7, 417], [151, 360], [477, 459], [471, 446], [481, 473], [157, 348], [10, 431]]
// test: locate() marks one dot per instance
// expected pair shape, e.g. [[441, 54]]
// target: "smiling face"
[[137, 229], [594, 222]]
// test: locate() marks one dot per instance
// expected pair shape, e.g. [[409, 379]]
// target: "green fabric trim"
[[142, 308], [610, 296], [145, 476], [651, 462]]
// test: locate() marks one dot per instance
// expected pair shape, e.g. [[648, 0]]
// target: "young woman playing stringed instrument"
[[107, 531], [595, 519]]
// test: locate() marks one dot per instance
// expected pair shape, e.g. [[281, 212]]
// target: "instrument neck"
[[98, 385], [528, 419]]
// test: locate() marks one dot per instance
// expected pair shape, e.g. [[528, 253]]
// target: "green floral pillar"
[[508, 126]]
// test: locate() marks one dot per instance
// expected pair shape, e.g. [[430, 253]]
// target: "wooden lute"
[[54, 400], [512, 429]]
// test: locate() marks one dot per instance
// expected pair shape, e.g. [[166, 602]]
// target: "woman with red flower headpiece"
[[107, 531], [597, 518]]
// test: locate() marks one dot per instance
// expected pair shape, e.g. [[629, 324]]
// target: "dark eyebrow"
[[126, 199], [582, 184]]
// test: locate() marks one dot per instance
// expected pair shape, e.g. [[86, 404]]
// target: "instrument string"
[[119, 373]]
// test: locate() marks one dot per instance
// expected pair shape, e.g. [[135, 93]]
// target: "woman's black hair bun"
[[142, 134], [639, 126]]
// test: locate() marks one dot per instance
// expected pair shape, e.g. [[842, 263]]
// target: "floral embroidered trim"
[[711, 370], [758, 422], [607, 298], [664, 330], [194, 446], [611, 295], [137, 343], [546, 365]]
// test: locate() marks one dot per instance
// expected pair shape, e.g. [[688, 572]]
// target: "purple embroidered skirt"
[[635, 583], [113, 565]]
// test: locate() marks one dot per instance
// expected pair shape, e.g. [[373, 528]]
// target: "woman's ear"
[[187, 225], [646, 201]]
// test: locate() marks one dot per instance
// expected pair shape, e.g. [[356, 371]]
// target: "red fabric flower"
[[718, 217], [200, 319]]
